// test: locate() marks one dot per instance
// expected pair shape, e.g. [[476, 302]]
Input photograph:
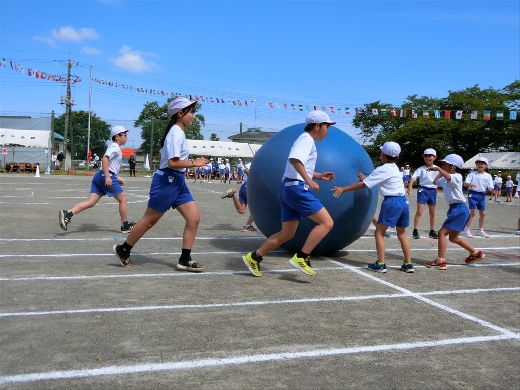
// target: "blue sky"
[[324, 53]]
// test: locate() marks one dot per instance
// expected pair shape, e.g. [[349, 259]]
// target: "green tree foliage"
[[157, 116], [465, 137], [213, 137], [78, 132]]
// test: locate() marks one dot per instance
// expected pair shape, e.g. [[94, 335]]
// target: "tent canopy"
[[219, 149], [24, 138], [497, 160]]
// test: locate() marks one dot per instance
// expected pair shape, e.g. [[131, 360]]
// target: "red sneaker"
[[437, 264], [474, 257]]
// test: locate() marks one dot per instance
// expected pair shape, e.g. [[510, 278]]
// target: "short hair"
[[391, 158]]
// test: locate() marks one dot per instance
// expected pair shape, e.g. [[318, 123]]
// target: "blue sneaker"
[[407, 267], [377, 267], [387, 234]]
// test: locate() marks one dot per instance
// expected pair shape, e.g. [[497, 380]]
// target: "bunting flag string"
[[333, 109]]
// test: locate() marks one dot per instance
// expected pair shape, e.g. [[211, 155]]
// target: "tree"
[[78, 132], [213, 137], [465, 137], [156, 116]]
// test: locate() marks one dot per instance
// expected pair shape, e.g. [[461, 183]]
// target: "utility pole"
[[240, 136], [68, 102], [151, 145]]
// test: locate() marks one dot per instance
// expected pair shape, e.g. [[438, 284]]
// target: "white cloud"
[[90, 51], [48, 40], [134, 59], [72, 34]]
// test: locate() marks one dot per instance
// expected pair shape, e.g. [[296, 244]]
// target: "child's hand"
[[328, 176], [121, 181], [433, 169], [471, 185], [337, 191], [360, 176]]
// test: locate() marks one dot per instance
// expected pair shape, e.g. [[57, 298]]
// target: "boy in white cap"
[[395, 209], [406, 175], [450, 179], [498, 186], [168, 188], [296, 197], [509, 189], [227, 171], [426, 193], [477, 183], [240, 171], [105, 182]]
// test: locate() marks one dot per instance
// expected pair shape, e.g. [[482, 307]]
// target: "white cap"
[[482, 159], [407, 165], [430, 151], [318, 117], [117, 130], [499, 172], [239, 159], [453, 159], [508, 175], [391, 149], [178, 104]]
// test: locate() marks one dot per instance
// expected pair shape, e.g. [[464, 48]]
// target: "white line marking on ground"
[[235, 360], [428, 301], [253, 303]]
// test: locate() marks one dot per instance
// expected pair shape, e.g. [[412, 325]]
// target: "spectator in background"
[[53, 160], [60, 160], [131, 164]]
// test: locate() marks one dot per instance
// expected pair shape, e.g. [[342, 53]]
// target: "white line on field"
[[236, 360]]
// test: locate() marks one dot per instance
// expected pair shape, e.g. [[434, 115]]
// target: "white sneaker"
[[467, 233], [518, 232], [482, 233]]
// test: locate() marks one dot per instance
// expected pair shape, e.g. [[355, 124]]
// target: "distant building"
[[253, 135]]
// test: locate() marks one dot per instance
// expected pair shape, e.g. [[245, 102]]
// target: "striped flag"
[[383, 112], [437, 113], [300, 107], [487, 115], [512, 115], [447, 114], [347, 111], [393, 112], [402, 114], [425, 114], [500, 115], [332, 110], [271, 105], [414, 113], [293, 107], [474, 115]]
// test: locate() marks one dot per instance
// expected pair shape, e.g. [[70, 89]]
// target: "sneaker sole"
[[181, 267], [61, 219], [475, 260], [249, 267], [381, 271], [408, 271], [295, 265], [121, 261], [437, 267]]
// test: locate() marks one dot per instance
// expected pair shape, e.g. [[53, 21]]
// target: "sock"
[[126, 248], [70, 213], [123, 224], [185, 255], [407, 263], [256, 256], [480, 229], [302, 255]]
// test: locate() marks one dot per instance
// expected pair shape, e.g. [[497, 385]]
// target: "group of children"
[[169, 190]]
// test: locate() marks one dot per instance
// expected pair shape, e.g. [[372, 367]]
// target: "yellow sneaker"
[[303, 265], [252, 265]]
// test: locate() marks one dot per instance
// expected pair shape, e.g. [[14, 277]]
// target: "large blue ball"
[[352, 212]]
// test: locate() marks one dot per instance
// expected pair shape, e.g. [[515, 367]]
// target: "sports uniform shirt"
[[482, 181], [509, 183], [406, 172], [452, 189], [498, 181], [114, 158], [426, 177], [248, 167], [175, 145], [303, 150], [389, 179]]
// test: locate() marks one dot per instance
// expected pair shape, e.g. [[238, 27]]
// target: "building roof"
[[253, 134]]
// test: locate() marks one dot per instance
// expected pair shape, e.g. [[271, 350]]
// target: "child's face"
[[429, 159], [481, 166], [447, 167]]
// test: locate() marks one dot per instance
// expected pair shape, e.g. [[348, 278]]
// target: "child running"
[[395, 209], [168, 188], [296, 197], [426, 194], [240, 201], [450, 179], [478, 182], [105, 182]]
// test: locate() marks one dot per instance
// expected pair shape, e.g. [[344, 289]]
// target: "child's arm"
[[356, 186], [442, 173], [300, 168], [327, 176], [410, 184]]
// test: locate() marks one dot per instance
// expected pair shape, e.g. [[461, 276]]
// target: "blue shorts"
[[206, 171], [242, 193], [221, 172], [297, 200], [509, 190], [168, 190], [98, 185], [427, 196], [395, 211], [406, 178], [240, 172], [497, 188], [458, 216], [476, 200]]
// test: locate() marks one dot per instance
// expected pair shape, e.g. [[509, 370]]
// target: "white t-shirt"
[[482, 181], [498, 181], [240, 166], [426, 177], [222, 166], [452, 189], [54, 157], [509, 183], [175, 145], [248, 167], [406, 172], [114, 158], [388, 178], [303, 150]]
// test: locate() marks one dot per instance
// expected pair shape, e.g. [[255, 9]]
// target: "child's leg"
[[405, 244], [456, 239], [287, 232], [442, 244], [379, 236], [472, 213], [241, 207], [323, 227], [90, 202], [249, 220], [190, 213], [418, 215], [147, 221], [482, 216], [123, 209], [431, 211]]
